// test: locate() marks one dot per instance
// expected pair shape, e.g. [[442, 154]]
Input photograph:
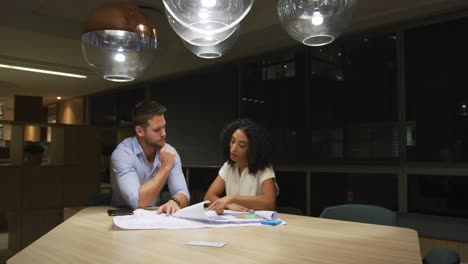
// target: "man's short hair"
[[145, 110]]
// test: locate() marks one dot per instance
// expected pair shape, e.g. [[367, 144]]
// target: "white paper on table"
[[269, 215], [197, 212], [151, 220], [190, 217], [194, 212]]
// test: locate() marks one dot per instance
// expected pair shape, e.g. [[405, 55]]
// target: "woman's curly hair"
[[260, 147]]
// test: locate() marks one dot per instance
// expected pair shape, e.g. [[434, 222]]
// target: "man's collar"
[[137, 149]]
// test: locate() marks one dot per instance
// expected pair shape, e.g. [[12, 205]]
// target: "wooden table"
[[89, 237]]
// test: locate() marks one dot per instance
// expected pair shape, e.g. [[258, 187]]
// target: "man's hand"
[[167, 157], [226, 203], [169, 208]]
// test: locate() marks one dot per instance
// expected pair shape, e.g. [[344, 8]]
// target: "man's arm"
[[177, 188], [176, 183], [149, 190], [125, 178]]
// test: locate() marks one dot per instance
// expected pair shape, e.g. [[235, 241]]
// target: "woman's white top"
[[245, 184]]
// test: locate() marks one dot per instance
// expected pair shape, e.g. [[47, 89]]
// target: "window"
[[436, 91], [329, 189], [271, 92], [353, 99], [104, 109], [279, 67], [438, 194], [127, 101], [52, 113]]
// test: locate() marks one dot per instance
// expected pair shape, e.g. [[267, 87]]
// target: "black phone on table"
[[120, 211]]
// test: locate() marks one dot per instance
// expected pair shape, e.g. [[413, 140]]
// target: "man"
[[141, 165]]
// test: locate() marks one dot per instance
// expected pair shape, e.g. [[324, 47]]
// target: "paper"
[[197, 212], [206, 243], [269, 215], [191, 217], [194, 212]]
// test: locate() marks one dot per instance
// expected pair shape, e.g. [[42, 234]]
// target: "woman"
[[246, 177]]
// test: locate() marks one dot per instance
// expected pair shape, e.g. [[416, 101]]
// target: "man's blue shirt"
[[130, 170]]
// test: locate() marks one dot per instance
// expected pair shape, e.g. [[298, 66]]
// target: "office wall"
[[29, 109], [32, 198], [75, 145], [198, 105], [71, 112], [32, 133], [9, 114]]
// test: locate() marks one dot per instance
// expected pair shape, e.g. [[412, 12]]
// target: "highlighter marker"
[[271, 222]]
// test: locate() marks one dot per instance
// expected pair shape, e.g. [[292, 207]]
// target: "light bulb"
[[317, 18], [208, 3], [202, 15], [141, 27], [119, 57]]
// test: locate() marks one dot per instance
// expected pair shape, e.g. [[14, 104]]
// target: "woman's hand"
[[219, 205], [226, 203], [237, 207]]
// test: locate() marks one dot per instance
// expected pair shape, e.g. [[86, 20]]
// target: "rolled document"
[[270, 215]]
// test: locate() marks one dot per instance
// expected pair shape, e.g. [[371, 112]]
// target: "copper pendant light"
[[119, 42]]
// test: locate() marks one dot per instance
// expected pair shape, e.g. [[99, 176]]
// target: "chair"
[[441, 256], [369, 214]]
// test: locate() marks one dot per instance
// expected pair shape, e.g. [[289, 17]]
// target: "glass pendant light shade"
[[119, 42], [198, 38], [214, 51], [315, 22], [208, 16]]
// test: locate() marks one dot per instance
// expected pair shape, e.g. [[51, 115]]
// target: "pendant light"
[[208, 16], [119, 42], [198, 38], [214, 51], [315, 22]]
